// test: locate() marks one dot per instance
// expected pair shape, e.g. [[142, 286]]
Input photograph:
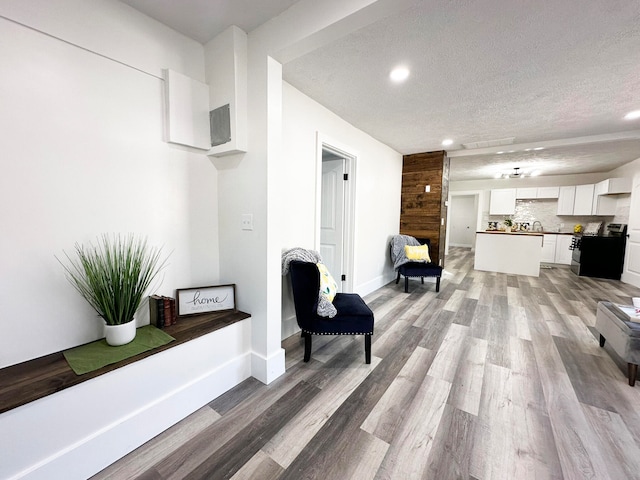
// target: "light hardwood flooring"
[[494, 377]]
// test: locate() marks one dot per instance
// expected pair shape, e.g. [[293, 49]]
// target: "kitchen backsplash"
[[544, 211]]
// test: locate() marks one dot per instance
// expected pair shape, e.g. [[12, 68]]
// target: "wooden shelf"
[[28, 381]]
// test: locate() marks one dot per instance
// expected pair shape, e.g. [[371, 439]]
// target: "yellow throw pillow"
[[328, 286], [418, 253]]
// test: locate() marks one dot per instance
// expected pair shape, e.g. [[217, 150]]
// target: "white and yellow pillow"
[[328, 286], [417, 253]]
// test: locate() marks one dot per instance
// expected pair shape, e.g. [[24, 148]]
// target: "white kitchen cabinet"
[[548, 192], [600, 188], [563, 254], [503, 201], [605, 195], [583, 202], [526, 193], [614, 186], [566, 198], [604, 205], [549, 249]]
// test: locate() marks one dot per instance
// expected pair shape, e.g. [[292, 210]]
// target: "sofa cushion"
[[328, 286], [356, 318], [417, 253]]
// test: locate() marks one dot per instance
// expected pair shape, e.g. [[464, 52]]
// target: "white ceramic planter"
[[117, 335]]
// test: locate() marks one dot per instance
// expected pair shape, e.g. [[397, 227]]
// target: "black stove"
[[600, 256]]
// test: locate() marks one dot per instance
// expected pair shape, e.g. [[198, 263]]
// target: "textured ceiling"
[[543, 72], [562, 160]]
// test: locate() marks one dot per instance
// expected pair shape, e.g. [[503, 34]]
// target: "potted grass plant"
[[113, 276]]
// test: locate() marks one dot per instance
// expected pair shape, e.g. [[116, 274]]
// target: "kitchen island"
[[516, 253]]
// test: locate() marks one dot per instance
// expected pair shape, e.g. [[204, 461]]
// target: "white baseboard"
[[75, 433], [267, 369], [289, 327], [376, 283]]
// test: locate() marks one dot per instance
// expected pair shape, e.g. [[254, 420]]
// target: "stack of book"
[[162, 311]]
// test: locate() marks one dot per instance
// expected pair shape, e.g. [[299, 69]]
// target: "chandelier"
[[516, 173]]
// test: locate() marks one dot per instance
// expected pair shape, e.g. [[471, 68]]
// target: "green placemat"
[[92, 356]]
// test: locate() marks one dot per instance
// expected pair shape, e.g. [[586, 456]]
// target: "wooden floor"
[[494, 377]]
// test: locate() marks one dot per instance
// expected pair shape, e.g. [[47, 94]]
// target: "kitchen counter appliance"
[[600, 256]]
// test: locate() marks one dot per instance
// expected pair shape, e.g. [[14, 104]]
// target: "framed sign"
[[194, 301]]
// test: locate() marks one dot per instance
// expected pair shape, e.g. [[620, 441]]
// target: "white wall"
[[112, 29], [462, 220], [252, 183], [83, 154], [378, 188]]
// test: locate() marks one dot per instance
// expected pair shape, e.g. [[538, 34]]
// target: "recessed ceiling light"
[[527, 149], [539, 148], [632, 115], [447, 142], [399, 74], [499, 153]]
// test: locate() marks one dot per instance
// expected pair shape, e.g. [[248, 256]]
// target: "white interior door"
[[631, 272], [462, 221], [332, 217]]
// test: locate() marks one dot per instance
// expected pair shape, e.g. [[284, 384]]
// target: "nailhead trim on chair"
[[314, 333]]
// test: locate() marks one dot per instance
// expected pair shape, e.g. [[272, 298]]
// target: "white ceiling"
[[557, 74], [202, 20]]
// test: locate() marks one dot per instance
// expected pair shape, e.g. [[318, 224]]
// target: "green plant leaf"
[[113, 275]]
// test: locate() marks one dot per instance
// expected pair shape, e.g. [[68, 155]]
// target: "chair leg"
[[367, 348], [602, 341], [406, 284], [437, 284], [398, 278], [307, 347], [633, 371], [422, 278]]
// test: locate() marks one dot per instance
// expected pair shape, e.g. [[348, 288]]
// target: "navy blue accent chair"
[[354, 317], [419, 269]]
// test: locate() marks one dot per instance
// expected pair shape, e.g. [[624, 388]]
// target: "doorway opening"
[[335, 202], [464, 218]]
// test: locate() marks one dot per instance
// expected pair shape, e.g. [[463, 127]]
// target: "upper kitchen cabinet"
[[503, 201], [583, 202], [548, 192], [613, 186], [527, 193], [605, 200], [566, 199], [603, 203]]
